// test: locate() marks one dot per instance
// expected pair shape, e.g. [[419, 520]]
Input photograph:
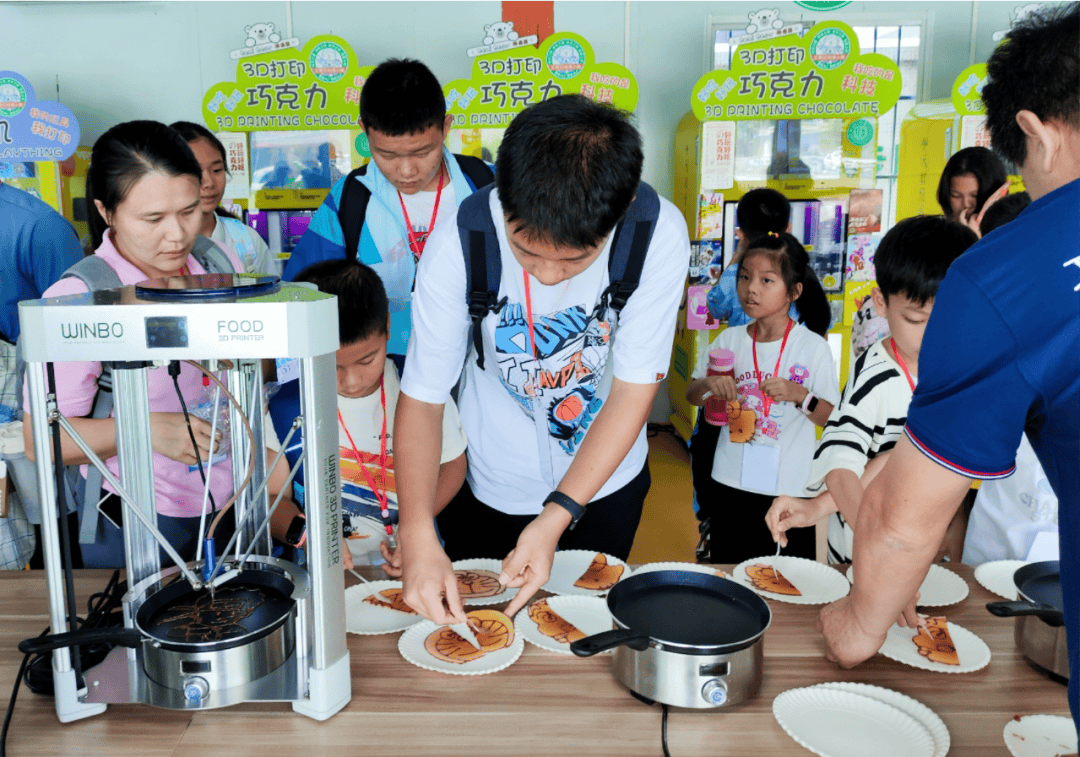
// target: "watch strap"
[[568, 504], [296, 536], [809, 403]]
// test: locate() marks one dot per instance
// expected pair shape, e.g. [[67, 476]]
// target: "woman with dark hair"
[[973, 179], [142, 191], [217, 223]]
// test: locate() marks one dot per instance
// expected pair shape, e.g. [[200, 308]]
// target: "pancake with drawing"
[[390, 598], [552, 624], [492, 628], [768, 578], [478, 583], [600, 576], [935, 643]]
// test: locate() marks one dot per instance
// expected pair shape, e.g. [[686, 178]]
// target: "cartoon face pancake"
[[552, 624], [768, 578], [496, 631], [741, 425], [391, 598], [599, 575], [478, 583], [935, 643]]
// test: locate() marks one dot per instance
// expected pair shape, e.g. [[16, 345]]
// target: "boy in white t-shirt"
[[556, 411], [368, 387]]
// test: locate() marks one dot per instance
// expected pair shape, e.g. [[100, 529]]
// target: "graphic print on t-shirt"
[[573, 350], [752, 408]]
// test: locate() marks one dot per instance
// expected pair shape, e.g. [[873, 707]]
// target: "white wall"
[[116, 61]]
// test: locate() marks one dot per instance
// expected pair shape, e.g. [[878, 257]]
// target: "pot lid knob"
[[714, 692]]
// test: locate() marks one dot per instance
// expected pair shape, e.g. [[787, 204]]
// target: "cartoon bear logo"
[[503, 31], [799, 373], [260, 34], [763, 21]]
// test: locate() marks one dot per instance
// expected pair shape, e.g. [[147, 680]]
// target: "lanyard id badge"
[[760, 468]]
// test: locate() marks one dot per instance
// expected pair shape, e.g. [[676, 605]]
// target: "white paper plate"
[[568, 567], [835, 723], [693, 567], [368, 619], [940, 587], [587, 614], [997, 576], [490, 564], [972, 651], [916, 709], [411, 646], [1040, 736], [818, 583]]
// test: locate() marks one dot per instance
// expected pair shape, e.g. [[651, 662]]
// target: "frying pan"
[[1039, 587], [681, 611]]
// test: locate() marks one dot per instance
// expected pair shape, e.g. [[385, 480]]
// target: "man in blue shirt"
[[412, 183], [999, 358], [37, 245]]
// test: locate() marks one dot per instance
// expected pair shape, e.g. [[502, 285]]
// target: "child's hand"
[[722, 387], [782, 390], [974, 222], [792, 512], [392, 567]]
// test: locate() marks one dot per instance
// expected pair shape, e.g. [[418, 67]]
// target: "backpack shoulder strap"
[[483, 262], [476, 171], [629, 247], [94, 272], [399, 362], [211, 257], [352, 209]]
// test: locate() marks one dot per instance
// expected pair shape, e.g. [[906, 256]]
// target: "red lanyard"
[[528, 314], [418, 241], [382, 497], [776, 371], [903, 365]]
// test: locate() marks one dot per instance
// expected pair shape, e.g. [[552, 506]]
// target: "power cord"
[[663, 730]]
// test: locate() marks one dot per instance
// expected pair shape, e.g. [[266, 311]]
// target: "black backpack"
[[354, 198], [483, 260]]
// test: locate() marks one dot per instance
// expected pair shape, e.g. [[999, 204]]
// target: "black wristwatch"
[[572, 507], [296, 536]]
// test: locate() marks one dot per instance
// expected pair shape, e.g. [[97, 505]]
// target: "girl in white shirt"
[[784, 385], [217, 223]]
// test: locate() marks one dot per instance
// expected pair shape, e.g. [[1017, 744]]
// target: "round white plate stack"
[[972, 651], [367, 619], [842, 723], [916, 709], [997, 577], [818, 583], [569, 565], [940, 587]]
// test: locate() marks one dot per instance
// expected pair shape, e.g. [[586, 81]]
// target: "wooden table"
[[544, 704]]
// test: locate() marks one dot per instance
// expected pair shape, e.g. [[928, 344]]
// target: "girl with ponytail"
[[785, 384]]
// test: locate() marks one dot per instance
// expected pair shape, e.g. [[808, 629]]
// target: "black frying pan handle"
[[1049, 613], [602, 642], [125, 637]]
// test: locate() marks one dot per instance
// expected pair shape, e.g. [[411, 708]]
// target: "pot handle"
[[602, 642], [1049, 613], [125, 637]]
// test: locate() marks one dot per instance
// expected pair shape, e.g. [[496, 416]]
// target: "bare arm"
[[428, 578], [902, 519], [847, 492], [168, 433], [451, 477], [607, 443]]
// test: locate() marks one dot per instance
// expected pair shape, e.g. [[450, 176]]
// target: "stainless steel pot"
[[1040, 617], [684, 639]]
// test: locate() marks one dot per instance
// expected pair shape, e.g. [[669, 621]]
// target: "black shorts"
[[470, 528]]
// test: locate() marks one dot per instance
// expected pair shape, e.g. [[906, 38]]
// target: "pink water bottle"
[[721, 363]]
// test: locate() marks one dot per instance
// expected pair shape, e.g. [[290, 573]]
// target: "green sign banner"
[[503, 84], [819, 75], [967, 91], [317, 87]]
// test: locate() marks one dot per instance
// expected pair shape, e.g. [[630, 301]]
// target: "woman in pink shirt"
[[142, 191]]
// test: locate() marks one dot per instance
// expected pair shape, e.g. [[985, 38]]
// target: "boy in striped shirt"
[[911, 262]]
